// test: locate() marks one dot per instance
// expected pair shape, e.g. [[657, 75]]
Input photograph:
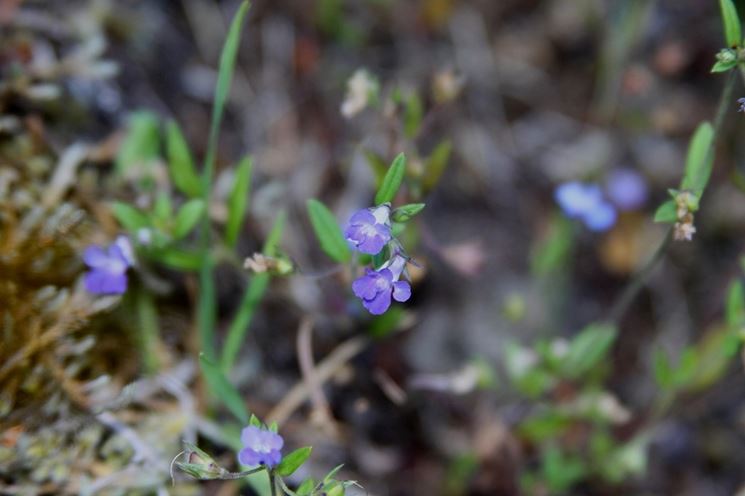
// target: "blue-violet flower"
[[260, 447], [626, 189], [108, 267], [376, 287], [369, 229], [585, 201]]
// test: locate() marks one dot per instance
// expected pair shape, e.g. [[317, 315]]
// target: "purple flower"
[[741, 101], [626, 189], [108, 268], [376, 287], [260, 447], [586, 202], [369, 229]]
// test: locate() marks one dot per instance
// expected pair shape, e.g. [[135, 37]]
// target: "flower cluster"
[[685, 204], [108, 267], [624, 190], [260, 447], [369, 232]]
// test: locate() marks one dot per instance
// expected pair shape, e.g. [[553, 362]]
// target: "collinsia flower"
[[108, 267], [626, 188], [585, 201], [369, 229], [261, 446], [377, 287]]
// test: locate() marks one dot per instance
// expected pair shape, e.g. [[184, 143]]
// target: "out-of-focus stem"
[[149, 331], [640, 278]]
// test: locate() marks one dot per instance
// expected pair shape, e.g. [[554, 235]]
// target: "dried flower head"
[[362, 87]]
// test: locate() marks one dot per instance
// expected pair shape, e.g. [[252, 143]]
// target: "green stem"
[[238, 327], [640, 278], [273, 484], [240, 475], [149, 332]]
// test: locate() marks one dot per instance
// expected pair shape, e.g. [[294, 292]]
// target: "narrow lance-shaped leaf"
[[129, 217], [187, 217], [731, 21], [293, 461], [207, 304], [328, 232], [699, 159], [180, 162], [392, 180], [223, 390], [238, 201], [436, 164], [588, 348]]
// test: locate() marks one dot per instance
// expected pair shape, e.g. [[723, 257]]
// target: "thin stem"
[[149, 332], [273, 484], [240, 475], [640, 279]]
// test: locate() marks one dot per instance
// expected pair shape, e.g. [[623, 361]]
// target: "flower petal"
[[101, 281], [362, 217], [365, 287], [401, 291], [600, 218], [95, 256], [379, 304], [249, 457]]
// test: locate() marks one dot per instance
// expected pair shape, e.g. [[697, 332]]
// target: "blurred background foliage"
[[508, 372]]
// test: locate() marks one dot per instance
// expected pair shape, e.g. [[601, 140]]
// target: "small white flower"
[[360, 88], [684, 231]]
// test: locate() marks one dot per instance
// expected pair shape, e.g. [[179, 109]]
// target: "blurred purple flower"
[[108, 268], [377, 287], [260, 447], [369, 229], [585, 201], [741, 101], [626, 189]]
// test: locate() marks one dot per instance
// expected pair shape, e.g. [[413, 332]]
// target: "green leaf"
[[699, 159], [392, 180], [686, 369], [223, 390], [413, 113], [129, 217], [180, 162], [293, 461], [187, 217], [663, 373], [436, 164], [721, 66], [162, 210], [552, 252], [179, 259], [406, 212], [306, 488], [141, 144], [735, 305], [238, 200], [588, 348], [667, 212], [252, 296], [731, 21], [328, 232]]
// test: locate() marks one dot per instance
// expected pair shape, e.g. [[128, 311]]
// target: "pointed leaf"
[[667, 212], [238, 200], [699, 159], [129, 217], [180, 162], [731, 21], [293, 461], [404, 213], [187, 217], [328, 232], [588, 348], [436, 164], [223, 390], [392, 180]]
